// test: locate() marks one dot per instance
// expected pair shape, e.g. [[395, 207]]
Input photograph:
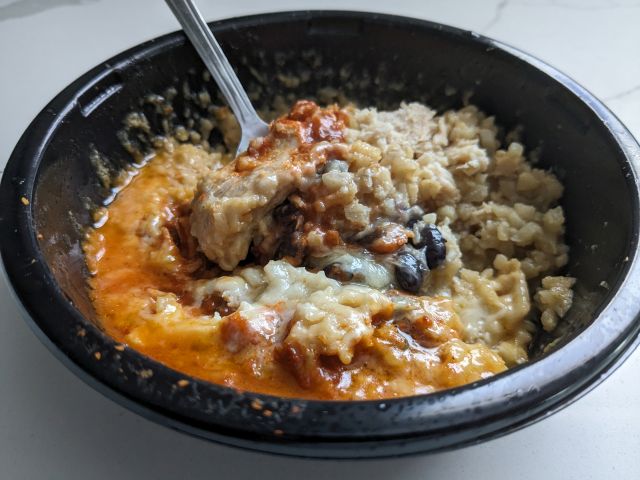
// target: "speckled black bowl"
[[50, 185]]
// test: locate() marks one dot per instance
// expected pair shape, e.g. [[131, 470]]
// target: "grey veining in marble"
[[24, 8]]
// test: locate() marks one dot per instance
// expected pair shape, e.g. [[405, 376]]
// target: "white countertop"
[[54, 426]]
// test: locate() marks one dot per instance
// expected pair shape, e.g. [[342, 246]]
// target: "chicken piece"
[[230, 204], [233, 202]]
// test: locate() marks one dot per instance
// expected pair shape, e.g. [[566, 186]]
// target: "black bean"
[[409, 271], [337, 271], [286, 213], [432, 239], [292, 245], [412, 222], [285, 239]]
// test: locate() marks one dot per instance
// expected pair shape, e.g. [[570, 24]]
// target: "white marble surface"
[[53, 426]]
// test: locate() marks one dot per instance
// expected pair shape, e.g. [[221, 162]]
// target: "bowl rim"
[[610, 338]]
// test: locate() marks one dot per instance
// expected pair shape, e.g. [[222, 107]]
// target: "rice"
[[319, 278]]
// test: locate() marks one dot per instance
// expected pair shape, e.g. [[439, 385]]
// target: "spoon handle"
[[214, 58]]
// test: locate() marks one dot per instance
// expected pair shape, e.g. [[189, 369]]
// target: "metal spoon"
[[197, 30]]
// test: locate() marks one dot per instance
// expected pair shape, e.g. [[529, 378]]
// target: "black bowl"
[[50, 185]]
